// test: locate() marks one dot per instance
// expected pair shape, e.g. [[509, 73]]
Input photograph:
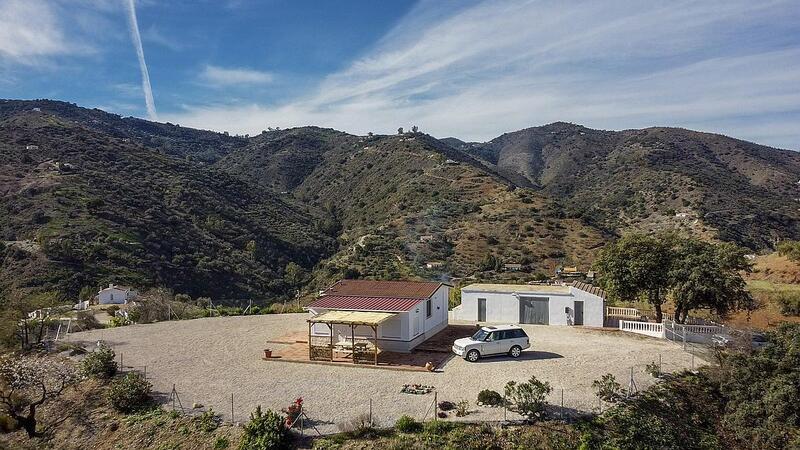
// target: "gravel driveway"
[[209, 359]]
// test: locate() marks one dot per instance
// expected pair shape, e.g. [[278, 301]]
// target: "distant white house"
[[574, 304], [31, 147], [116, 295]]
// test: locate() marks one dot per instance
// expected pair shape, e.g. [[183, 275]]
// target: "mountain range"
[[89, 198]]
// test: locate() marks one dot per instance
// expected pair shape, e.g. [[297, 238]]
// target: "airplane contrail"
[[137, 43]]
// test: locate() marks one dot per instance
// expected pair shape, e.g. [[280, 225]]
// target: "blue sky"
[[471, 69]]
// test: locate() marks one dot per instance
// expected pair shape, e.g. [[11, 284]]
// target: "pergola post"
[[309, 340], [330, 328], [353, 341], [375, 331]]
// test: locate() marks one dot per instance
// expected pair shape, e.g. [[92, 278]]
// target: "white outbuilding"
[[574, 304], [115, 295], [389, 315]]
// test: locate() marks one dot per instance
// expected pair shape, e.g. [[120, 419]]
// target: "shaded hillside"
[[86, 208], [399, 204], [655, 178], [167, 138]]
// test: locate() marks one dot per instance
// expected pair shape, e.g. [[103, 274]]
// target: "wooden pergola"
[[353, 319]]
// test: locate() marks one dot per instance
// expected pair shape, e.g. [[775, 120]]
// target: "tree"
[[294, 275], [28, 382], [86, 293], [709, 276], [528, 398], [414, 129], [400, 130], [638, 265], [251, 248], [790, 249]]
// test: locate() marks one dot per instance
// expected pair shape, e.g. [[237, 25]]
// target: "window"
[[481, 335], [428, 308]]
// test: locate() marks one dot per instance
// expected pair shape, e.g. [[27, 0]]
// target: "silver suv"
[[496, 340]]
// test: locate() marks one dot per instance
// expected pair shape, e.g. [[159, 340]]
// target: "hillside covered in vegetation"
[[88, 198]]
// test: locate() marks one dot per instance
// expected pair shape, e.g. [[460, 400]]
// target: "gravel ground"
[[209, 359]]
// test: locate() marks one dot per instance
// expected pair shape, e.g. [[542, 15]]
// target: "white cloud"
[[229, 76], [496, 66], [29, 30], [154, 36]]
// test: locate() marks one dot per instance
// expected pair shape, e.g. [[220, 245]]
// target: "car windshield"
[[480, 335]]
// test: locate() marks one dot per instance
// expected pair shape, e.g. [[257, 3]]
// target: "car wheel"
[[473, 355], [515, 351]]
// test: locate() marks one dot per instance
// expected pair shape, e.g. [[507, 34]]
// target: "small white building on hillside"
[[116, 295], [575, 304], [395, 315]]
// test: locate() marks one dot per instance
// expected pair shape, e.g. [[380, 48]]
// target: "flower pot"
[[267, 353]]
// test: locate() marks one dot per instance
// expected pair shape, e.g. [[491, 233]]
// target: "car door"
[[492, 343]]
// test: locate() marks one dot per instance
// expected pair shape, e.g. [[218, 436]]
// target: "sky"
[[470, 69]]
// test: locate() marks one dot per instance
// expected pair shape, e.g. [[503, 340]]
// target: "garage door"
[[534, 310]]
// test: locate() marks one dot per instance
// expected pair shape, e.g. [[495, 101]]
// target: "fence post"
[[232, 421], [435, 405], [562, 403], [121, 365], [370, 411], [660, 366], [505, 408]]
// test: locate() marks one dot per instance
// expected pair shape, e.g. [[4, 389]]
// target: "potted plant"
[[293, 411]]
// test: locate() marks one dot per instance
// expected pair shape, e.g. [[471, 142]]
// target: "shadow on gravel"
[[525, 356]]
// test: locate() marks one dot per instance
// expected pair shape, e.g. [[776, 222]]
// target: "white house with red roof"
[[397, 315]]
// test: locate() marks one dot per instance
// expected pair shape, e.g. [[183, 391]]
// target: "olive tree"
[[28, 382], [638, 265], [708, 276]]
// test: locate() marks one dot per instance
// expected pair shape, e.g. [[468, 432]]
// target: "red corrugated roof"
[[396, 289], [361, 303]]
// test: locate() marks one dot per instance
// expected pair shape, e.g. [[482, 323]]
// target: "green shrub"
[[99, 363], [265, 431], [208, 421], [117, 321], [462, 408], [653, 369], [607, 389], [222, 443], [130, 393], [528, 399], [437, 427], [407, 424], [490, 397], [112, 310], [7, 423], [789, 302]]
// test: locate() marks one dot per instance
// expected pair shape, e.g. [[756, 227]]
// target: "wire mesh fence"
[[564, 402]]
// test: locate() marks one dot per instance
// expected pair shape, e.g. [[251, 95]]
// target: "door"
[[481, 310], [492, 343], [534, 310], [578, 313]]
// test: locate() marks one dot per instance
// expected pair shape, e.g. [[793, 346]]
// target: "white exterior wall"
[[503, 307], [401, 333], [115, 296], [594, 307]]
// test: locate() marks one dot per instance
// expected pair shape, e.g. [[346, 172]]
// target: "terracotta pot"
[[267, 353]]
